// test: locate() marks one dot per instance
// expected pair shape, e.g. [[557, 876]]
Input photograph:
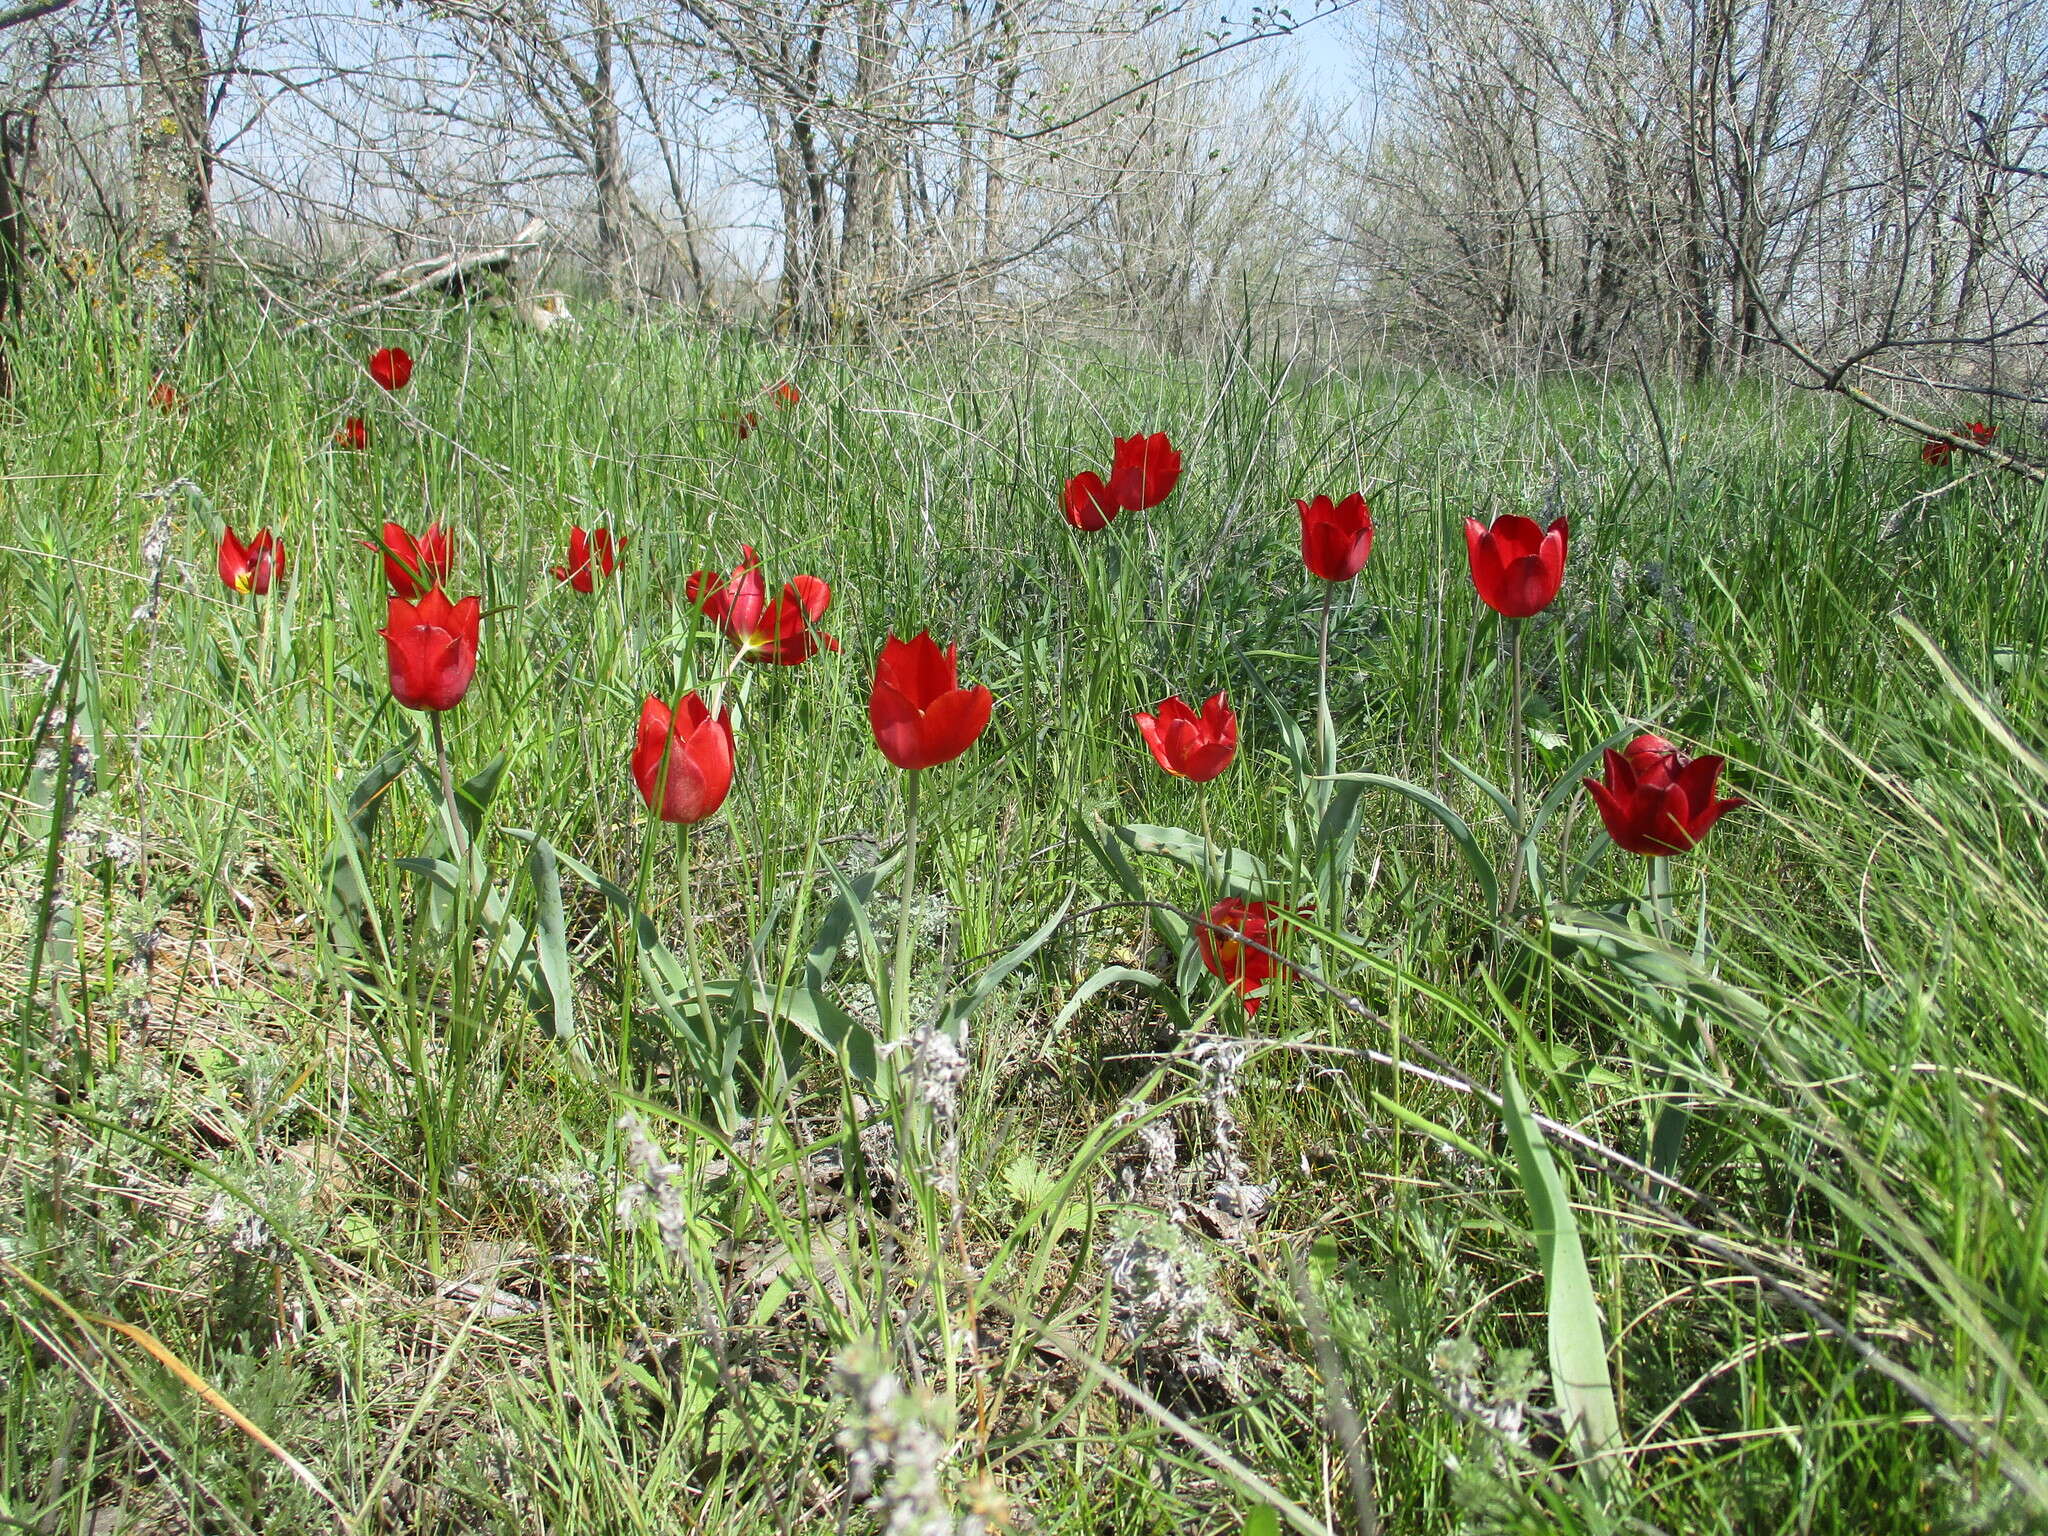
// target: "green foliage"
[[341, 1115]]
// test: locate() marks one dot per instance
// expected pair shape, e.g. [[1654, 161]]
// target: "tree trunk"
[[607, 166], [173, 166], [17, 145]]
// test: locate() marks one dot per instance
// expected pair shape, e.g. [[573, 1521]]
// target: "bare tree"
[[173, 167]]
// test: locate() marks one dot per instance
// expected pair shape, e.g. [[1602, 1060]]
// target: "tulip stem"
[[1517, 737], [716, 1080], [899, 983], [1326, 727], [1517, 792], [457, 841]]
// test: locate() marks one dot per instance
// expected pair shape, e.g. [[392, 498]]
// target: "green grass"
[[346, 1177]]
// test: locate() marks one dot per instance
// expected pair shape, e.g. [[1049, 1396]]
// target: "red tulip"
[[920, 714], [1229, 958], [1089, 506], [578, 572], [782, 632], [352, 433], [251, 567], [684, 754], [165, 397], [1656, 800], [744, 423], [1188, 745], [787, 394], [390, 368], [1935, 451], [1516, 565], [1143, 472], [1335, 539], [413, 566], [431, 649]]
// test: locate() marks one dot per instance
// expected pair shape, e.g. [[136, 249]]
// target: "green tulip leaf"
[[1232, 870], [1459, 829], [1578, 1339]]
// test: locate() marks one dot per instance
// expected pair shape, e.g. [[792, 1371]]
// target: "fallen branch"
[[437, 270]]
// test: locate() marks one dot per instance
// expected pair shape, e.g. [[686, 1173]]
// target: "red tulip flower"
[[787, 394], [415, 566], [352, 433], [920, 714], [1516, 565], [1188, 745], [782, 632], [744, 423], [1143, 472], [1089, 505], [1228, 957], [430, 648], [685, 756], [578, 572], [1937, 452], [1335, 538], [165, 397], [250, 567], [1657, 801], [390, 368]]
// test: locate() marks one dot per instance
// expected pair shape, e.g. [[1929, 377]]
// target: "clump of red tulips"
[[252, 567], [390, 368], [430, 649], [1517, 565], [781, 631], [1188, 745], [414, 566], [589, 554], [1143, 472], [1655, 800], [683, 759]]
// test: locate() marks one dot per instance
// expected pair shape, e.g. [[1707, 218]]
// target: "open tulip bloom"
[[390, 368], [1335, 537], [252, 567], [683, 759], [1935, 451], [1227, 955], [1143, 471], [782, 632], [1517, 565], [1655, 800], [920, 714], [414, 566], [1088, 504], [430, 648], [1188, 745], [578, 572]]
